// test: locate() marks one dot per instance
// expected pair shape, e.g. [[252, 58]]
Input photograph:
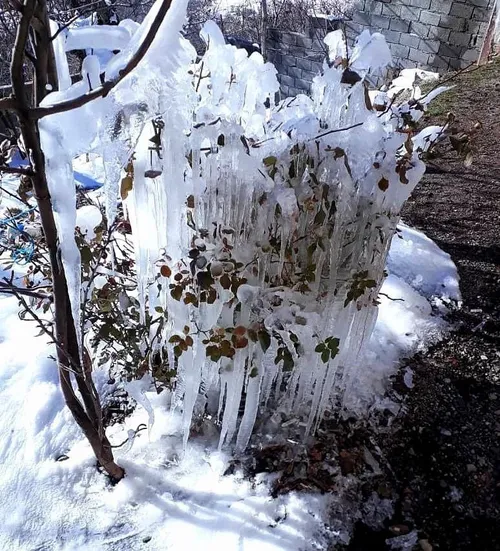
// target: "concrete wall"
[[439, 35]]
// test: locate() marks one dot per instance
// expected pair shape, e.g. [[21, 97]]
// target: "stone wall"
[[439, 35]]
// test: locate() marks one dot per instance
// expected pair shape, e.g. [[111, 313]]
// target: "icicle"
[[252, 400], [63, 75], [59, 172], [192, 365], [234, 385]]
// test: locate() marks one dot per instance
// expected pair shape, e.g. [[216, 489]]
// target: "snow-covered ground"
[[168, 501]]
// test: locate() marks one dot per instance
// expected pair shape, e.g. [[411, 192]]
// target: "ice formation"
[[273, 219]]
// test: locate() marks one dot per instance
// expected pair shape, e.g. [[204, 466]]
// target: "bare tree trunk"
[[87, 415], [263, 29]]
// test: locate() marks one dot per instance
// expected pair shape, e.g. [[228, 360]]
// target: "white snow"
[[67, 505], [223, 146], [88, 217], [181, 502]]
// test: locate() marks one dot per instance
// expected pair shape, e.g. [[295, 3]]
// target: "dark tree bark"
[[34, 32], [34, 24]]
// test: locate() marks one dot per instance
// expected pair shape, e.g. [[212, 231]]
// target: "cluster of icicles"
[[295, 201]]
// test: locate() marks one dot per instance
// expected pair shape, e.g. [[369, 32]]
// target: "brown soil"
[[445, 449]]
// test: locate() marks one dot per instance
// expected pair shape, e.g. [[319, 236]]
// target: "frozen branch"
[[106, 88], [9, 289], [22, 171]]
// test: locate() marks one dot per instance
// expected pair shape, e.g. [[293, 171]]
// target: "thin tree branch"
[[13, 290], [9, 104], [106, 88], [16, 68], [64, 26], [336, 130], [16, 170], [14, 196]]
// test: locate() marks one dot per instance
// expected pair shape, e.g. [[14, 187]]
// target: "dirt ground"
[[445, 449]]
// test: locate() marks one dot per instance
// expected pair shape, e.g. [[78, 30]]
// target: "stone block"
[[410, 13], [481, 28], [297, 51], [391, 10], [303, 84], [447, 50], [411, 40], [438, 33], [361, 17], [288, 60], [441, 6], [309, 75], [481, 3], [288, 38], [284, 89], [293, 91], [429, 46], [372, 6], [399, 25], [455, 63], [354, 29], [317, 67], [304, 64], [294, 72], [275, 57], [316, 57], [404, 63], [380, 22], [461, 10], [459, 39], [424, 4], [429, 18], [454, 23], [285, 80], [393, 37], [481, 14], [318, 45], [470, 55], [438, 62], [420, 29], [303, 41], [418, 57], [474, 41], [399, 50]]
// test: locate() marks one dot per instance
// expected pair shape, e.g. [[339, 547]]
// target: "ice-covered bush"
[[260, 230]]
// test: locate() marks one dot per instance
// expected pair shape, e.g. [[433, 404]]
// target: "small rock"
[[492, 396], [471, 468], [425, 545], [446, 432], [399, 529], [483, 357], [384, 490], [347, 462]]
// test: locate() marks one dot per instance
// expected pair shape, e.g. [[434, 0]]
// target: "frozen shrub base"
[[261, 233]]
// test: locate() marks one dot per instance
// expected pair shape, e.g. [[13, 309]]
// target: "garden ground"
[[445, 449]]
